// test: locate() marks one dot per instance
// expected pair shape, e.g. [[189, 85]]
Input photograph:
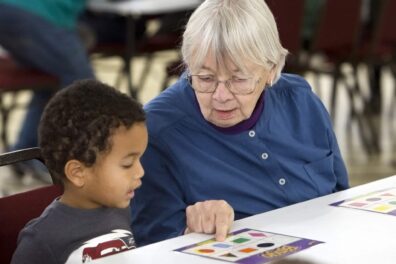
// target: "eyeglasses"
[[208, 84]]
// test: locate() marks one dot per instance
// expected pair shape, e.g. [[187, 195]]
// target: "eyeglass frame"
[[227, 84]]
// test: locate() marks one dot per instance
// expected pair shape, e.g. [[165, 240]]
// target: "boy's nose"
[[139, 171]]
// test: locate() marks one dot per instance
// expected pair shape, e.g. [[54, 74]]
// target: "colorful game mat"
[[383, 201], [249, 246]]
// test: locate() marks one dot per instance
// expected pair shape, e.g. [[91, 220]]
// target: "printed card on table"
[[383, 201], [249, 246]]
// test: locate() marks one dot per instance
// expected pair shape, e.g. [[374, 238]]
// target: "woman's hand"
[[213, 216]]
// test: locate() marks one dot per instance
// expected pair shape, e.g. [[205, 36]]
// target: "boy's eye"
[[127, 166]]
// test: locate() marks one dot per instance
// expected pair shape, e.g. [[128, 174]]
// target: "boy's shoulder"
[[65, 231], [44, 219]]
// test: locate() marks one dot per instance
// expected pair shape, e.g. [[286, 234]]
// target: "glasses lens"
[[203, 84], [208, 84], [242, 86]]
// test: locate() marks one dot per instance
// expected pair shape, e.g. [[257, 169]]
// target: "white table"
[[142, 7], [351, 236], [132, 9]]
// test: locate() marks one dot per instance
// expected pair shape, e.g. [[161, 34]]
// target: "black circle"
[[265, 245]]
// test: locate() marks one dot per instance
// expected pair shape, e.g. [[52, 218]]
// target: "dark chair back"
[[339, 29], [289, 18], [18, 209], [384, 38], [14, 79]]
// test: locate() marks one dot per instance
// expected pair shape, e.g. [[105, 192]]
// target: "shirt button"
[[264, 156], [282, 181], [252, 133]]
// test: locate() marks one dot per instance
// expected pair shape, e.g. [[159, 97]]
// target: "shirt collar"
[[245, 124]]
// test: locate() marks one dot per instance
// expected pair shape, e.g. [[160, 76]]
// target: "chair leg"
[[393, 101], [4, 123], [336, 76], [392, 110], [125, 72], [120, 75], [3, 113], [145, 71], [365, 117], [165, 83], [316, 84], [173, 69]]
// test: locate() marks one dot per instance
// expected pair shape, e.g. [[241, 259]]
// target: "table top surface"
[[142, 7], [349, 235]]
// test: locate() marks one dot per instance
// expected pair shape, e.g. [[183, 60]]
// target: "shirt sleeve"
[[339, 168], [322, 116], [158, 208]]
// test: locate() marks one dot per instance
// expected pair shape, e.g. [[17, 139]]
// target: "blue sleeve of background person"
[[158, 209]]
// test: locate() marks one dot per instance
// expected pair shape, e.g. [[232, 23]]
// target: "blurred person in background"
[[42, 34]]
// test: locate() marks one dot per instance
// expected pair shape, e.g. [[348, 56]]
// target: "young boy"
[[91, 137]]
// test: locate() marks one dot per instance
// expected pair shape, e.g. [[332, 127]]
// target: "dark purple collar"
[[245, 124]]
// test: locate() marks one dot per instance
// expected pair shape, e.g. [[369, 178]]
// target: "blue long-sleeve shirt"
[[290, 155]]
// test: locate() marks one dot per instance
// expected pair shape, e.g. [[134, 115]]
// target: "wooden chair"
[[18, 209], [336, 38], [376, 51], [13, 80], [378, 47], [289, 19]]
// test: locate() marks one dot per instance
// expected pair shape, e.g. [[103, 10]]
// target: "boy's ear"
[[74, 171]]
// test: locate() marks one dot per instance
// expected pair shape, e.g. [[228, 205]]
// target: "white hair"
[[237, 30]]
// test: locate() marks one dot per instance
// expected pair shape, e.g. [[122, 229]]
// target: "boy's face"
[[111, 181]]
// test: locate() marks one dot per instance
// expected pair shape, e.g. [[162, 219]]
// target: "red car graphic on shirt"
[[108, 248]]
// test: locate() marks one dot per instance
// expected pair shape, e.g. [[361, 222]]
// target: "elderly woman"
[[233, 135]]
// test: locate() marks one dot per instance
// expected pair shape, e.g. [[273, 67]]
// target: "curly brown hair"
[[78, 123]]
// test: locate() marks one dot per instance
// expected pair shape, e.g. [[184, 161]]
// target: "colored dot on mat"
[[205, 250], [206, 242], [229, 255], [220, 245], [247, 250], [392, 202], [357, 204], [265, 245], [257, 234], [373, 199], [240, 240]]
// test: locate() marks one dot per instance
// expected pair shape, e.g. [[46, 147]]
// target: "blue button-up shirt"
[[290, 155]]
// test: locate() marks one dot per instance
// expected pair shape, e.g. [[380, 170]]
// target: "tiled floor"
[[362, 167]]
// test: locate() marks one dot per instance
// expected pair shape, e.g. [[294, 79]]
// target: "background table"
[[133, 9], [350, 235], [142, 7]]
